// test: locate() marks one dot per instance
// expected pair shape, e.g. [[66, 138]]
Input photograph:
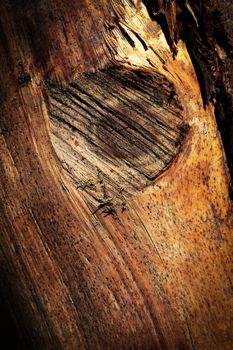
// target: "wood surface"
[[115, 215]]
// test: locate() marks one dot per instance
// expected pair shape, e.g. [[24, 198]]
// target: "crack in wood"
[[115, 131]]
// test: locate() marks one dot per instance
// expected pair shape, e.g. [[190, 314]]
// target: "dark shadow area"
[[9, 332], [21, 327], [206, 27]]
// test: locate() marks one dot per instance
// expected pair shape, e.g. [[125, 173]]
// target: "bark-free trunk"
[[115, 215]]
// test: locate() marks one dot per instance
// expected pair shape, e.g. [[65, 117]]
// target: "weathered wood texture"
[[206, 27], [156, 275], [120, 129]]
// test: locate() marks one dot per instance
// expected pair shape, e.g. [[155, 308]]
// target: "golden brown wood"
[[115, 131], [156, 275]]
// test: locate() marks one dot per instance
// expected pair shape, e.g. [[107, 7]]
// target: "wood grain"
[[115, 131], [155, 276]]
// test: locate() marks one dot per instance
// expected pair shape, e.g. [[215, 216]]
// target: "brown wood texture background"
[[152, 273]]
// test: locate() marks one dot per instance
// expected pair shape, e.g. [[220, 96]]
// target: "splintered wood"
[[115, 131], [97, 117], [117, 128]]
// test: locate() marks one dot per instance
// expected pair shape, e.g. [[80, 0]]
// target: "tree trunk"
[[116, 218]]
